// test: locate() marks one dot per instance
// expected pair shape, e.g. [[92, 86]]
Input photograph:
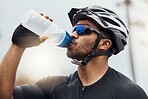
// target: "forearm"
[[8, 68]]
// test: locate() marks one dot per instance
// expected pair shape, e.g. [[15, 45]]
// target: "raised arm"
[[22, 38], [8, 70]]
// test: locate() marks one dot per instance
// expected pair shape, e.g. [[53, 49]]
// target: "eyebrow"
[[83, 24]]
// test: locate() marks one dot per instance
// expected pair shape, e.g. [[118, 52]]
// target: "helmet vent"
[[110, 21], [123, 34], [109, 11], [121, 22], [97, 10]]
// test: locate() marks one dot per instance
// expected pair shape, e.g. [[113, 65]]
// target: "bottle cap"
[[66, 42]]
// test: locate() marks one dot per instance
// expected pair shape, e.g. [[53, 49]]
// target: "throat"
[[90, 76]]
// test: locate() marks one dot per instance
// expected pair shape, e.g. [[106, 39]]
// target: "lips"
[[73, 42]]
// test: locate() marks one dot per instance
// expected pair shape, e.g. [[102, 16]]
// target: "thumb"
[[43, 38]]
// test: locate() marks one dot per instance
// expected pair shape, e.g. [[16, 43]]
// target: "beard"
[[79, 52], [76, 55]]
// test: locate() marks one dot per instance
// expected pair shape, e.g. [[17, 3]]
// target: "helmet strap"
[[93, 53]]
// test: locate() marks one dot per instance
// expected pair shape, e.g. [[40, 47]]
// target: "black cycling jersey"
[[113, 85]]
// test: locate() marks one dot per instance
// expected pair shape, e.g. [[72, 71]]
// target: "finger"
[[43, 38], [47, 17], [41, 14], [51, 20]]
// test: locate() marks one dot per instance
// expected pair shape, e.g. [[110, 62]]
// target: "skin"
[[78, 50], [82, 47], [8, 68]]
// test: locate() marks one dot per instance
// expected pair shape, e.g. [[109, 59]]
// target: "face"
[[82, 44]]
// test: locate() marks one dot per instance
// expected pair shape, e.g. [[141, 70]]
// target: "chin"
[[72, 56]]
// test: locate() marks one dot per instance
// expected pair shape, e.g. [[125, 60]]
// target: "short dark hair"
[[109, 35]]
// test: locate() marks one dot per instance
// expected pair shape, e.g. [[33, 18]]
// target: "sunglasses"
[[84, 29]]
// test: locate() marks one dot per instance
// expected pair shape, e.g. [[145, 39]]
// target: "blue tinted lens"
[[81, 29]]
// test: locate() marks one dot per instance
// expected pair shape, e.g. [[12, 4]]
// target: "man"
[[97, 34]]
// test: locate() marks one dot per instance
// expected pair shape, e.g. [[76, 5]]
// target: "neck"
[[93, 71]]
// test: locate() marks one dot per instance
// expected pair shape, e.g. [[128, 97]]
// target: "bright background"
[[47, 59]]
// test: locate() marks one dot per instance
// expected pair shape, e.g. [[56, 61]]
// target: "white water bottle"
[[43, 27]]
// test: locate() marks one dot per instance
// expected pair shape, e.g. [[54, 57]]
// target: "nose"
[[74, 35]]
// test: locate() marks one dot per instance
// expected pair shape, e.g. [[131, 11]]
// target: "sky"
[[48, 59]]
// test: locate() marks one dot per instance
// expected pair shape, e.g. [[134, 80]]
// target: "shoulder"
[[124, 87], [51, 82], [41, 89], [131, 91]]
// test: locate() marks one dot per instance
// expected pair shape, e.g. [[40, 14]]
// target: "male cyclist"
[[98, 33]]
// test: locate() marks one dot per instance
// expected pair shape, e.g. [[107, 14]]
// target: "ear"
[[104, 44]]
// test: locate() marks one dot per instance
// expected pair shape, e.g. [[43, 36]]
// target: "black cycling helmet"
[[107, 19]]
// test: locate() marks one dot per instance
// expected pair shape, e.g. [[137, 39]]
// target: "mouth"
[[73, 42]]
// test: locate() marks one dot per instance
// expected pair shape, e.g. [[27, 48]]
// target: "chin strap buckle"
[[90, 56], [86, 60], [76, 62]]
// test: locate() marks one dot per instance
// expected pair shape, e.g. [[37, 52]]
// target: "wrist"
[[17, 47], [25, 38]]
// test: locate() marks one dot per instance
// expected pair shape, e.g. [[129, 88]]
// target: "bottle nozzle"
[[66, 42]]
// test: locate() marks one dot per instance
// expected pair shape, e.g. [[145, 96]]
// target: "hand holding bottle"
[[24, 38], [45, 37], [45, 28]]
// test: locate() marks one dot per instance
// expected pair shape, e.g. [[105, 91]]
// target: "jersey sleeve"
[[28, 91], [132, 92], [39, 90]]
